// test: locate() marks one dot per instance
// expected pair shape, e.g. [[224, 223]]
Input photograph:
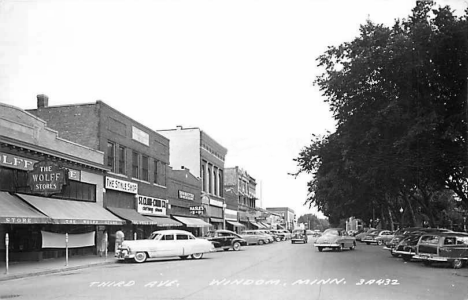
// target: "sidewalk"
[[54, 265]]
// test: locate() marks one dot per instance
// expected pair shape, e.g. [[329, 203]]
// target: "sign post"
[[66, 249], [7, 241], [106, 244]]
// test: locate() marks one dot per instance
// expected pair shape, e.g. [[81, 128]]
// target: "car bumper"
[[403, 252], [326, 245], [123, 255], [387, 248], [437, 258]]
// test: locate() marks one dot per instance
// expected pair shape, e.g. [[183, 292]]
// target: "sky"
[[240, 70]]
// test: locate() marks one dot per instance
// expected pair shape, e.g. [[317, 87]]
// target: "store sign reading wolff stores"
[[47, 178]]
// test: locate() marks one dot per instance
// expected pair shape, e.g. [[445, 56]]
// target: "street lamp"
[[401, 217]]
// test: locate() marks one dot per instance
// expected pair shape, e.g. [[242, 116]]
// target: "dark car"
[[226, 239], [407, 246], [299, 235], [398, 236], [451, 248]]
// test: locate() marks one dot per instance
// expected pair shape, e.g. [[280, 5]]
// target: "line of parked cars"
[[429, 245], [181, 243]]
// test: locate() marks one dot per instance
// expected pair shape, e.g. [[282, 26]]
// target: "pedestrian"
[[119, 238]]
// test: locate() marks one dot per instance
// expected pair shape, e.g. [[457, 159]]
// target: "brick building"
[[49, 187], [240, 190], [137, 158]]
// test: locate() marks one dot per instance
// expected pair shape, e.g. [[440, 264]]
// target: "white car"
[[165, 243]]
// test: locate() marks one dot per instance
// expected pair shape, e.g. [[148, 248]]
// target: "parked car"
[[299, 235], [399, 235], [336, 239], [270, 237], [361, 235], [372, 238], [254, 237], [449, 247], [164, 243], [276, 236], [407, 246], [226, 239], [279, 234], [286, 233], [382, 239]]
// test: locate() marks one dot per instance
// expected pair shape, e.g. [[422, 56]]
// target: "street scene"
[[281, 270], [267, 149]]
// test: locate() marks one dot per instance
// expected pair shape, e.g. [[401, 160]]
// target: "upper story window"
[[203, 176], [215, 177], [122, 160], [144, 168], [159, 173], [111, 155], [221, 183], [135, 165]]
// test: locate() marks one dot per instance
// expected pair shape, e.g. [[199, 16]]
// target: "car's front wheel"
[[197, 255], [380, 243], [140, 257], [353, 246], [406, 257], [261, 242], [320, 249], [236, 246], [457, 263]]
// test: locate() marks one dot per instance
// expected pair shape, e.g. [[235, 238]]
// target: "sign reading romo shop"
[[47, 178]]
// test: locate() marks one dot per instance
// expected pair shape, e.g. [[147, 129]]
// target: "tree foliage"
[[399, 97]]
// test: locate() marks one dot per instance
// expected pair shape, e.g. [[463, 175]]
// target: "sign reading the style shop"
[[47, 178]]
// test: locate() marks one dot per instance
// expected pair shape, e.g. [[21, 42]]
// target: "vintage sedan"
[[377, 237], [226, 239], [336, 239], [164, 243], [299, 235], [449, 248], [407, 246], [254, 237], [361, 235]]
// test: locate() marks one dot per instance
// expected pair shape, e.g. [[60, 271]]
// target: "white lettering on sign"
[[18, 220], [22, 163], [121, 185], [151, 206], [186, 195], [216, 203], [197, 210]]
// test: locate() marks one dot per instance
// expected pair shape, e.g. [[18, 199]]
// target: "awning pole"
[[7, 241], [66, 249]]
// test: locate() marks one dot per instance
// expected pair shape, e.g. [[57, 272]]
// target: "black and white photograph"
[[234, 149]]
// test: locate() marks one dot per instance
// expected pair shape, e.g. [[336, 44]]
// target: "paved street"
[[277, 271]]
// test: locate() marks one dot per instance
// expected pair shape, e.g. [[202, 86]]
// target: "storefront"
[[51, 188], [232, 221]]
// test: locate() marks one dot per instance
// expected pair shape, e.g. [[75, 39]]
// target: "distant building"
[[194, 149], [288, 215], [240, 191]]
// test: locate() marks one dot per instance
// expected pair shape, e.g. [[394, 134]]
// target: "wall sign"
[[151, 206], [121, 185], [186, 195], [197, 210], [26, 164], [47, 178], [216, 203]]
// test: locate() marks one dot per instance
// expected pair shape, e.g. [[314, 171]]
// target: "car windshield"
[[330, 232], [210, 234], [155, 236]]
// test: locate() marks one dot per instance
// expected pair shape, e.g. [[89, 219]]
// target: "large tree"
[[399, 98]]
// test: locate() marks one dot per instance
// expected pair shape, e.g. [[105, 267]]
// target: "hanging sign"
[[47, 178]]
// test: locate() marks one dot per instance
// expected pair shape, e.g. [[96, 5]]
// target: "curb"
[[51, 271]]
